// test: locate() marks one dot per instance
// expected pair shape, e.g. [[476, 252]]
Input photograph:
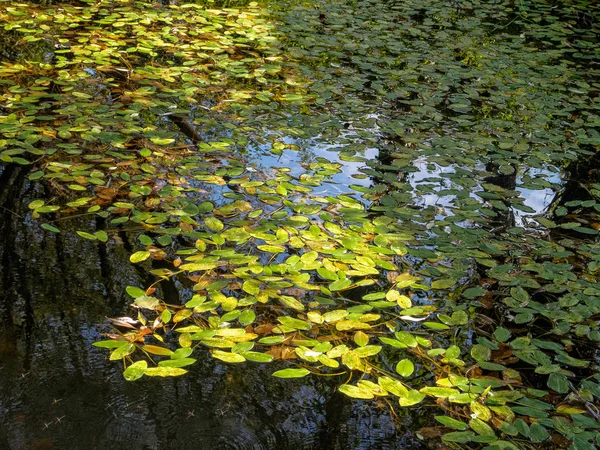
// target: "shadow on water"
[[58, 392]]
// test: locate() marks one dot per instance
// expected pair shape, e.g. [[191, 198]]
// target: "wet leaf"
[[405, 368], [228, 357], [291, 373], [355, 391], [156, 350], [139, 256], [164, 371], [135, 370]]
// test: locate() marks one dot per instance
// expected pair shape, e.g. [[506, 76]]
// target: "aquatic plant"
[[192, 132]]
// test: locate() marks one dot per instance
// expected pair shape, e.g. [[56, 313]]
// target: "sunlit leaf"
[[291, 373], [135, 370]]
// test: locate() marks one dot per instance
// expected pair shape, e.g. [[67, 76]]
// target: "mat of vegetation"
[[456, 269]]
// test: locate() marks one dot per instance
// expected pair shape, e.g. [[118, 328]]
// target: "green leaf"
[[340, 284], [228, 357], [162, 141], [459, 437], [121, 352], [392, 386], [436, 326], [453, 352], [85, 235], [529, 412], [558, 383], [355, 391], [138, 256], [135, 371], [406, 338], [205, 207], [443, 283], [213, 223], [519, 294], [538, 433], [480, 352], [251, 287], [257, 357], [164, 372], [179, 362], [111, 343], [198, 266], [291, 373], [247, 317], [413, 398], [36, 204], [48, 227], [271, 340], [367, 350], [101, 236], [271, 248], [480, 427], [135, 291], [439, 392], [348, 325], [146, 302], [451, 423], [183, 352], [291, 302], [361, 338], [296, 324], [405, 368], [502, 334], [474, 292]]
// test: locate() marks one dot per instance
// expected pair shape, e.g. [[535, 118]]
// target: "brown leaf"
[[432, 432], [391, 276], [295, 292]]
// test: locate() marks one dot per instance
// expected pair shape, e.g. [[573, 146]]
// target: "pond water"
[[414, 183]]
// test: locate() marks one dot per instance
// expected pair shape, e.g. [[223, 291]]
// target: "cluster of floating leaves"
[[435, 280]]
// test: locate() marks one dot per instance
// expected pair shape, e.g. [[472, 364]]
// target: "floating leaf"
[[291, 373], [48, 227], [135, 371], [296, 324], [110, 343], [213, 223], [164, 372], [121, 352], [355, 391], [138, 256], [228, 357], [393, 386], [87, 235], [156, 350], [558, 383], [451, 423], [439, 391], [459, 437], [135, 291], [146, 302], [405, 367], [361, 338], [257, 357], [413, 398], [179, 362]]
